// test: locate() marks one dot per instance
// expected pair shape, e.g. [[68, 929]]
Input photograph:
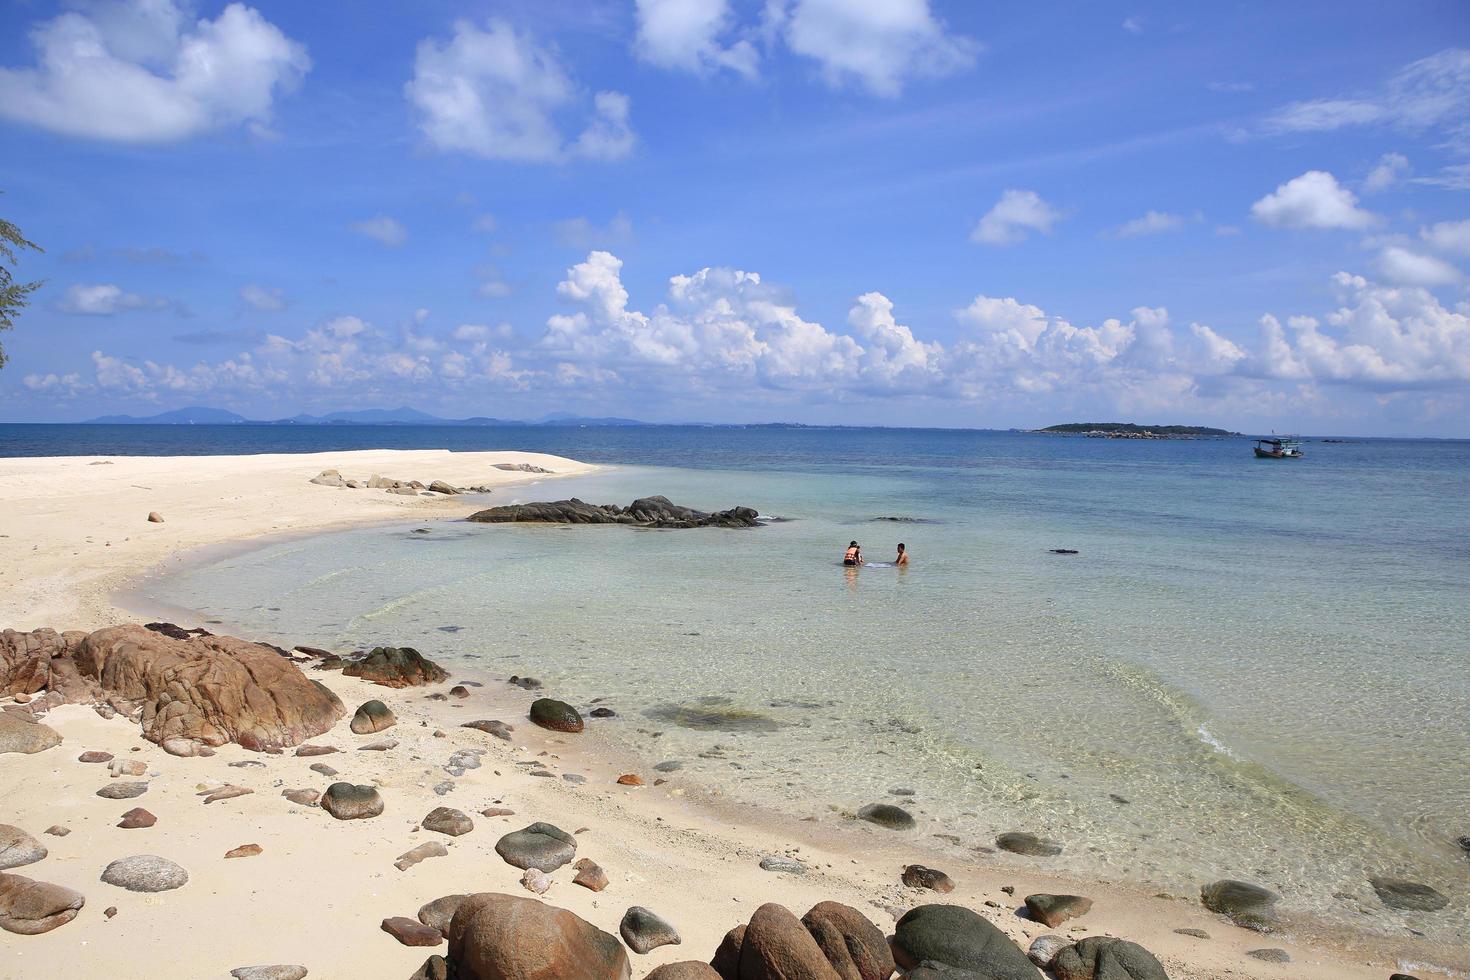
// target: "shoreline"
[[663, 834]]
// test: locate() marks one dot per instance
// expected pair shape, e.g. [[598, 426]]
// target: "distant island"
[[1132, 430], [371, 416]]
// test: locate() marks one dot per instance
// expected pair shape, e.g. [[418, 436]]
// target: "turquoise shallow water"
[[1267, 661]]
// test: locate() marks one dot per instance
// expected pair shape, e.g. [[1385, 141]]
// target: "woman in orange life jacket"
[[853, 556]]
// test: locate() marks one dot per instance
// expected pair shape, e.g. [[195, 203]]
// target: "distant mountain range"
[[370, 416]]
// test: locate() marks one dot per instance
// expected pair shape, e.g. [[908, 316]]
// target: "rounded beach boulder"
[[1248, 906], [850, 941], [887, 815], [348, 802], [542, 846], [506, 937], [1105, 956], [29, 908], [955, 936], [372, 717], [556, 715]]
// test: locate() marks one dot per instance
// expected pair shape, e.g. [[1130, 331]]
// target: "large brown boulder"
[[505, 937], [40, 661], [396, 667], [19, 733], [684, 970], [855, 947], [776, 946], [208, 689], [31, 907]]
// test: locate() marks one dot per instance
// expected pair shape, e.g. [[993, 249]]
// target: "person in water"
[[903, 556], [853, 555]]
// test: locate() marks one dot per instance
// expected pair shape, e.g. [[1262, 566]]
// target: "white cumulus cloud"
[[381, 229], [1313, 200], [105, 299], [880, 44], [686, 34], [1391, 169], [1016, 214], [1448, 236], [497, 93], [141, 71], [1401, 265], [1150, 223]]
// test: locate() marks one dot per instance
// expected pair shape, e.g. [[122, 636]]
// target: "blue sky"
[[866, 211]]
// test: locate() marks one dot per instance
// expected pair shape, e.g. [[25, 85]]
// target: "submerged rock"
[[1028, 844], [1249, 906], [887, 815], [712, 714], [656, 512], [1408, 896]]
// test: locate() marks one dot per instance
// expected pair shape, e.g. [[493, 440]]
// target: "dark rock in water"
[[776, 944], [448, 820], [411, 932], [854, 946], [491, 727], [372, 717], [29, 908], [887, 815], [1408, 896], [645, 931], [603, 713], [145, 873], [1063, 551], [524, 683], [348, 802], [555, 715], [684, 970], [541, 846], [901, 520], [1269, 955], [1464, 843], [1106, 958], [918, 876], [18, 848], [1028, 844], [712, 714], [440, 912], [658, 512], [1053, 910], [1249, 906], [503, 936], [957, 937], [396, 667]]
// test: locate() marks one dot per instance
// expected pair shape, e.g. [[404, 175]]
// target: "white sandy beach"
[[77, 533]]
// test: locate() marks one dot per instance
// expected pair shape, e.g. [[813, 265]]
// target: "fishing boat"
[[1278, 447]]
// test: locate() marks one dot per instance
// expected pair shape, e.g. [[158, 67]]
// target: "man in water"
[[903, 557], [853, 556]]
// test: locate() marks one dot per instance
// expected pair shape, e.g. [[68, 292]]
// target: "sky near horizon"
[[896, 212]]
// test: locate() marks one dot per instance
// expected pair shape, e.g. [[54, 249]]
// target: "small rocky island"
[[1132, 430], [652, 512]]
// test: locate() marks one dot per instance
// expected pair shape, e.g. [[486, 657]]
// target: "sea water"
[[1250, 669]]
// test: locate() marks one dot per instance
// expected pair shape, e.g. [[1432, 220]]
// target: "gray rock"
[[1269, 955], [957, 937], [1195, 933], [18, 734], [122, 791], [776, 862], [448, 820], [372, 717], [672, 765], [499, 729], [348, 802], [324, 769], [541, 846], [1408, 896], [1044, 949], [1248, 906], [1028, 844], [657, 512], [302, 797], [645, 931], [558, 716], [145, 873], [918, 876], [328, 478], [1106, 958], [887, 815], [268, 972], [18, 848]]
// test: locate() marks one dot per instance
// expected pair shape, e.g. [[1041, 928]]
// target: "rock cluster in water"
[[657, 512]]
